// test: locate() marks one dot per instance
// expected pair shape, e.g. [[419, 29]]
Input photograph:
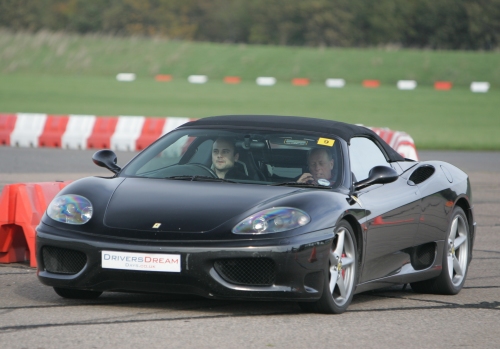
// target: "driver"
[[320, 164], [224, 157]]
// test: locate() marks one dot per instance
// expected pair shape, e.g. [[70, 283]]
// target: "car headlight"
[[272, 220], [71, 209]]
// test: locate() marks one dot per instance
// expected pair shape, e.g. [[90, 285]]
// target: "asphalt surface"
[[33, 316]]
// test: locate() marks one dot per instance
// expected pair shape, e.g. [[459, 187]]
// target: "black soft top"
[[340, 129]]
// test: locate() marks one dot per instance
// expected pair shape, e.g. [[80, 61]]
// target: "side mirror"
[[106, 158], [377, 175]]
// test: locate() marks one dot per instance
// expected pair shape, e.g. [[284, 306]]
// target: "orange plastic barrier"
[[13, 246], [7, 124], [151, 131], [54, 128], [371, 83], [232, 80], [102, 132], [22, 205], [443, 85], [31, 202], [301, 82], [163, 77]]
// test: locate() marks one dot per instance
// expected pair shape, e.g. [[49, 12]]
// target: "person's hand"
[[306, 178]]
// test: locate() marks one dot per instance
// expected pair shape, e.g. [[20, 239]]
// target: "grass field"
[[70, 74], [96, 55], [456, 119]]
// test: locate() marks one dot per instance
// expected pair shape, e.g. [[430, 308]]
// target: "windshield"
[[242, 156]]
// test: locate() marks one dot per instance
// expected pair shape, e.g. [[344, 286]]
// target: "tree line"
[[434, 24]]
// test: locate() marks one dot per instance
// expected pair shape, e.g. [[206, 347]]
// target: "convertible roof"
[[340, 129]]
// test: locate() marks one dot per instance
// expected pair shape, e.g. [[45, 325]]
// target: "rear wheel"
[[456, 259], [341, 276], [76, 294]]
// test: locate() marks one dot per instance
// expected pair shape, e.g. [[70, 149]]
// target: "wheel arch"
[[358, 233], [464, 204]]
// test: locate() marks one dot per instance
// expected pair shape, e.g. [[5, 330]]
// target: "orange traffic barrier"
[[163, 77], [300, 82], [232, 80], [151, 131], [7, 124], [101, 133], [54, 128], [21, 208], [371, 83], [31, 202], [13, 246], [443, 85]]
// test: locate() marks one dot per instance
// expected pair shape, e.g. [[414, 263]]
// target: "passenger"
[[320, 164], [224, 157]]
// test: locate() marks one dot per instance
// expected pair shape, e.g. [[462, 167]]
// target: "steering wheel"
[[207, 169]]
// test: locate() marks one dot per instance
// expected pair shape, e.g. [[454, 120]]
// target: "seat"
[[246, 160]]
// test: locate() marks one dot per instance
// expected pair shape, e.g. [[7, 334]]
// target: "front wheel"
[[341, 274], [456, 259], [76, 294]]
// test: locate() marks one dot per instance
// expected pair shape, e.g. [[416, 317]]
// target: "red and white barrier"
[[443, 85], [7, 124], [28, 129], [233, 80], [479, 86], [123, 133], [127, 132], [335, 83], [163, 77], [127, 77], [197, 79], [399, 141], [102, 132], [151, 131], [407, 84], [78, 131], [54, 128], [371, 83], [301, 81], [266, 81]]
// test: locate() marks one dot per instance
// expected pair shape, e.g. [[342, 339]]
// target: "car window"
[[364, 154], [203, 153], [166, 156], [255, 157]]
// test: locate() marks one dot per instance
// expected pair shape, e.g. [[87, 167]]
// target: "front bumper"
[[300, 264]]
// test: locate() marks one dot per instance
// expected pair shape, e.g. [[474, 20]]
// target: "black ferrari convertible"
[[261, 208]]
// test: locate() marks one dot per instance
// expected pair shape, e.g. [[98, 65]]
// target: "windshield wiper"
[[200, 178], [304, 185]]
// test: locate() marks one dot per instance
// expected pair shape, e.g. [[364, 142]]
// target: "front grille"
[[63, 261], [421, 174], [247, 271]]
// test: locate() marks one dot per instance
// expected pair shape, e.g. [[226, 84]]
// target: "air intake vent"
[[421, 174], [247, 271], [63, 261], [423, 256]]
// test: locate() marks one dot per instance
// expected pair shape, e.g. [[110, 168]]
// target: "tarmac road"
[[33, 316]]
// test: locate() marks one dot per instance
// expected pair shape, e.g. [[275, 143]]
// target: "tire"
[[76, 294], [341, 274], [456, 259]]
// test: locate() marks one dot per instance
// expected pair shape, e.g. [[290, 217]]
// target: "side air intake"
[[422, 173], [423, 256]]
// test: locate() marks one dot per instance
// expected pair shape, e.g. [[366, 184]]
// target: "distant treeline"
[[436, 24]]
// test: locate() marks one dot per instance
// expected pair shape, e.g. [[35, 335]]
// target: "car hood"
[[185, 206]]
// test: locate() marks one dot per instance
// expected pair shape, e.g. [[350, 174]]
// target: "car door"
[[392, 213]]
